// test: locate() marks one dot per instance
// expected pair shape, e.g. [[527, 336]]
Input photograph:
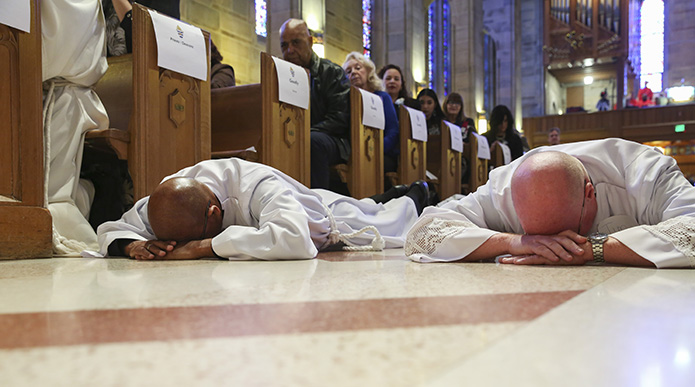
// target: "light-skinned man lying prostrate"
[[606, 200]]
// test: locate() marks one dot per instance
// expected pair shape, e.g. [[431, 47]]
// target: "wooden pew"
[[412, 161], [166, 114], [496, 157], [364, 172], [251, 115], [477, 167], [25, 224], [641, 125], [444, 162]]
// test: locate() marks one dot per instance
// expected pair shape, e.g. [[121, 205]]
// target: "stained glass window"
[[261, 18], [652, 44], [367, 27], [438, 50], [445, 45], [430, 45]]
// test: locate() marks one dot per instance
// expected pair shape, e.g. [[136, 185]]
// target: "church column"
[[467, 54]]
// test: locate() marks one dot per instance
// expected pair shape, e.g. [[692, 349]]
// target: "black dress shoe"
[[392, 193], [419, 192]]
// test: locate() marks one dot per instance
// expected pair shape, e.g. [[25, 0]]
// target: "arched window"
[[652, 44], [367, 27], [438, 50], [261, 18]]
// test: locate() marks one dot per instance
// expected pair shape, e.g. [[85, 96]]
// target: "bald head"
[[177, 207], [548, 190], [296, 42]]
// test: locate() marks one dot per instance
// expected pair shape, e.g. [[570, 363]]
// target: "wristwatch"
[[597, 240]]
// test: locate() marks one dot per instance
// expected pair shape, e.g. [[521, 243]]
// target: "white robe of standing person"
[[74, 59]]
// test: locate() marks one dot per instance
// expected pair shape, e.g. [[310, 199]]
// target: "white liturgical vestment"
[[644, 201], [268, 215], [74, 58]]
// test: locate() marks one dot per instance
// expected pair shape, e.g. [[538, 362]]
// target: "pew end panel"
[[25, 224], [478, 168], [444, 162], [412, 163], [171, 113], [286, 139], [365, 170]]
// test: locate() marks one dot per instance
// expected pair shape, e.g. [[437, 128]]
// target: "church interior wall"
[[500, 18], [231, 24], [343, 31], [466, 65], [418, 49], [532, 69], [679, 30], [400, 37], [554, 95]]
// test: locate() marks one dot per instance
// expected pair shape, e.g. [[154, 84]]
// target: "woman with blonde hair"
[[361, 72]]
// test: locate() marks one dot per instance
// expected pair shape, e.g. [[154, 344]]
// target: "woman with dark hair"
[[394, 84], [453, 110], [429, 104], [502, 131], [221, 74]]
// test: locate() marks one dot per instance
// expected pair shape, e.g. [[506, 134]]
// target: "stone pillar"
[[532, 71], [679, 40], [501, 19], [467, 54]]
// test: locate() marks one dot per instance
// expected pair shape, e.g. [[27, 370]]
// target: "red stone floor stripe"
[[28, 330]]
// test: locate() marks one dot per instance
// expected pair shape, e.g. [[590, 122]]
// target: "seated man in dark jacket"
[[330, 99]]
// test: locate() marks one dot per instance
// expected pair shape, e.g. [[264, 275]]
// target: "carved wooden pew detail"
[[25, 224], [166, 114], [364, 172], [252, 115], [444, 162], [412, 161], [477, 167]]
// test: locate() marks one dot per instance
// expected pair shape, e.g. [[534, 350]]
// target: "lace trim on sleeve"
[[426, 238], [680, 231]]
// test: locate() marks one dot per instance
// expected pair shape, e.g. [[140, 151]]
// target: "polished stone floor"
[[344, 319]]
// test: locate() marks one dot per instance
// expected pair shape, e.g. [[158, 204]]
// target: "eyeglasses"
[[205, 225]]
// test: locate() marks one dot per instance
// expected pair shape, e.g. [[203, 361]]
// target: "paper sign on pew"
[[418, 124], [483, 147], [456, 139], [180, 46], [506, 153], [372, 110], [16, 14], [293, 83]]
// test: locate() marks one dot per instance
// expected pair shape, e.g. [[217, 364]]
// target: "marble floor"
[[344, 319]]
